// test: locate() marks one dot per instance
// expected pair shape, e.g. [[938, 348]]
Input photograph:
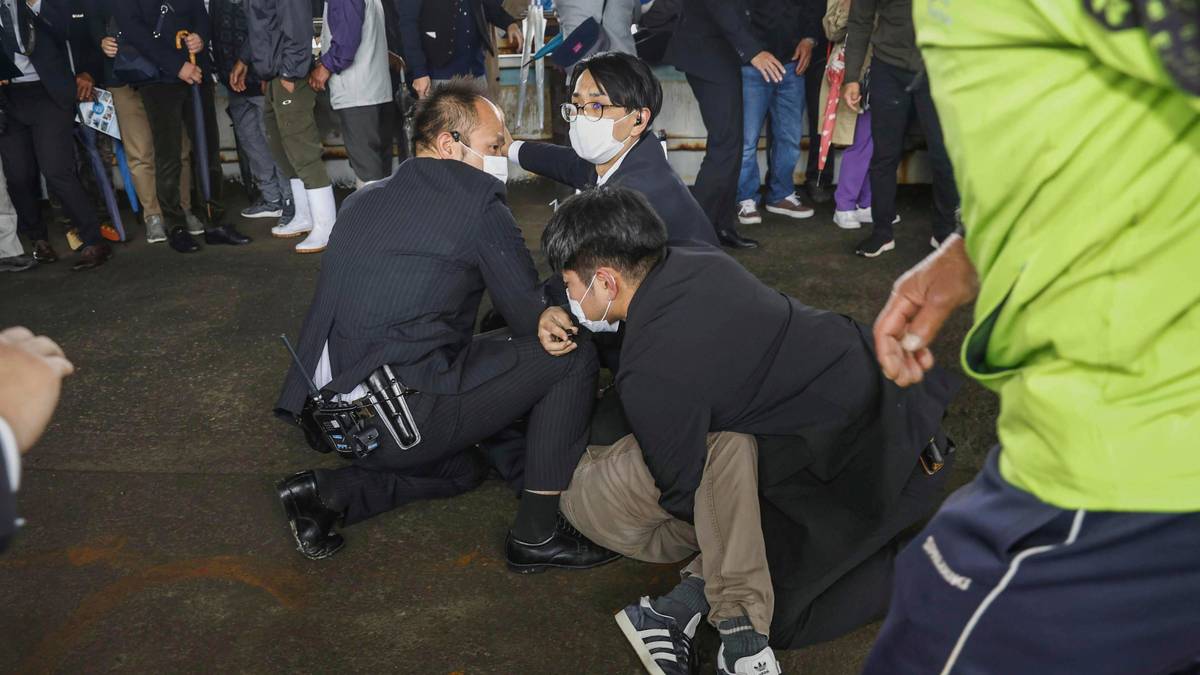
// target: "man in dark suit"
[[444, 39], [710, 44], [615, 98], [846, 459], [40, 109], [400, 286]]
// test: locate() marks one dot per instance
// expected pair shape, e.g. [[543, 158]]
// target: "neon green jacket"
[[1076, 146]]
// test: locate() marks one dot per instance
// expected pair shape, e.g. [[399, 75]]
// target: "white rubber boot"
[[323, 210], [301, 223]]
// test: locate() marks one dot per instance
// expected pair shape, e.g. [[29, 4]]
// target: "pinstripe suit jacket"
[[401, 281]]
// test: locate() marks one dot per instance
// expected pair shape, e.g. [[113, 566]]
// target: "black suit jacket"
[[711, 36], [419, 18], [837, 441], [49, 58], [401, 281], [645, 169]]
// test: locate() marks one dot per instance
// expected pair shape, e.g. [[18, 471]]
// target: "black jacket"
[[402, 278], [780, 25], [419, 18], [837, 441], [85, 42], [230, 33], [52, 29], [138, 19], [711, 36], [281, 35], [645, 169]]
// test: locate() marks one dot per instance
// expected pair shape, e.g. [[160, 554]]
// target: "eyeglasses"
[[591, 111]]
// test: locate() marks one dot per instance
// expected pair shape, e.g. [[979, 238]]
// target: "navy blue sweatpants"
[[1001, 582]]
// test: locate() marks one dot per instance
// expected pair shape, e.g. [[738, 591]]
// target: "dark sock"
[[683, 602], [739, 639], [536, 517]]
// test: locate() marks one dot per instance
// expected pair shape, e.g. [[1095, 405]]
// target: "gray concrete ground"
[[154, 540]]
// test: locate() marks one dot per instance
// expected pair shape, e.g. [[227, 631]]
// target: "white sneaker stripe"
[[665, 657], [653, 633]]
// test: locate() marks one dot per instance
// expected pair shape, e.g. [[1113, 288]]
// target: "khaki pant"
[[139, 150], [613, 501]]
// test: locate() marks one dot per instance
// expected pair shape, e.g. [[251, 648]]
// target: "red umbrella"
[[836, 72]]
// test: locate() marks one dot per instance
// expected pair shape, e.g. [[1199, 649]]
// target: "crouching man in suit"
[[400, 286], [793, 471]]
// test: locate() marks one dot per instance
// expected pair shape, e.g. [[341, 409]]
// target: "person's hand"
[[920, 303], [770, 67], [237, 76], [85, 87], [191, 73], [852, 96], [109, 46], [555, 329], [515, 36], [319, 77], [288, 85], [421, 86], [195, 44], [33, 367], [802, 55]]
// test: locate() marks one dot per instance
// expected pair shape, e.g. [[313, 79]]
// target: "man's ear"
[[641, 122], [610, 281], [445, 145]]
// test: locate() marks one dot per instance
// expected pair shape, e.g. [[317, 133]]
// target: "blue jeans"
[[785, 102]]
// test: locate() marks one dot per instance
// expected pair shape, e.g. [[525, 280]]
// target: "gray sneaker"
[[263, 209], [194, 226], [17, 263], [287, 211], [154, 230]]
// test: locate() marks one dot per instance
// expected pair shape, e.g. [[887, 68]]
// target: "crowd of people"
[[788, 451]]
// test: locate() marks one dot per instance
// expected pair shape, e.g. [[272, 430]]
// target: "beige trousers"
[[139, 150], [614, 502]]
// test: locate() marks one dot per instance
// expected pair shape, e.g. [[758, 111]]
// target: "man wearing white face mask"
[[400, 286], [615, 98]]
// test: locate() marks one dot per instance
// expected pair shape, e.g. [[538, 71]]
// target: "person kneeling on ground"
[[845, 460], [400, 287]]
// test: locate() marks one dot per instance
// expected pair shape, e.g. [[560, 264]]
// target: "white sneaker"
[[762, 663], [301, 222], [748, 212], [848, 220], [863, 215], [323, 210], [791, 206]]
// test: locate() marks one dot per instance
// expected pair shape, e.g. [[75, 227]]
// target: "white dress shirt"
[[20, 60]]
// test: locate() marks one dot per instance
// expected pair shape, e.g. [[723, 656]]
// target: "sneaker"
[[194, 226], [109, 232], [848, 220], [263, 209], [875, 245], [762, 663], [864, 215], [287, 211], [748, 212], [17, 263], [154, 229], [791, 206], [664, 646]]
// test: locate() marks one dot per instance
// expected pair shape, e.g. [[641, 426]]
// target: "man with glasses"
[[614, 99]]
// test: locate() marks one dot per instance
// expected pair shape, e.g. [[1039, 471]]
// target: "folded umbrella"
[[200, 147], [87, 136], [126, 176], [836, 72]]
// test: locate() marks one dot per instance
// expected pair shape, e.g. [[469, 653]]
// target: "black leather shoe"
[[567, 548], [91, 257], [43, 252], [226, 234], [819, 193], [311, 521], [731, 239], [181, 241]]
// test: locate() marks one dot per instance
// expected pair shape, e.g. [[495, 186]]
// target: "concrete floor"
[[155, 542]]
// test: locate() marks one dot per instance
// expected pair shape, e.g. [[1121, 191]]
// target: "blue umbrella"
[[126, 176]]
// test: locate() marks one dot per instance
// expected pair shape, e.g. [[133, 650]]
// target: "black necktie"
[[8, 33]]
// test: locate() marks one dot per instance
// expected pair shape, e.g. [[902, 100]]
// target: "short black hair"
[[627, 80], [606, 226], [449, 106]]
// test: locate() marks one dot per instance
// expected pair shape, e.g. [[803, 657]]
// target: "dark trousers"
[[171, 111], [721, 109], [367, 131], [892, 106], [1002, 582], [556, 395], [39, 138], [813, 77]]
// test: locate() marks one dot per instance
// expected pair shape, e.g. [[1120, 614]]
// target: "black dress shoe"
[[311, 521], [731, 239], [819, 193], [43, 252], [181, 241], [92, 256], [226, 234], [567, 548]]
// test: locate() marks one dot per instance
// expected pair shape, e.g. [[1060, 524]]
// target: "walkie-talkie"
[[330, 425]]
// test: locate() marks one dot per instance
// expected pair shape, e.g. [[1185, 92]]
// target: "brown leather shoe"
[[92, 256], [43, 252]]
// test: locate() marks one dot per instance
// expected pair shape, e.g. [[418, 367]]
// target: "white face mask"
[[593, 139], [496, 166], [600, 326]]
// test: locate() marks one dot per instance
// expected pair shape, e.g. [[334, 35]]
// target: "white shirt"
[[12, 455], [20, 60], [324, 376]]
